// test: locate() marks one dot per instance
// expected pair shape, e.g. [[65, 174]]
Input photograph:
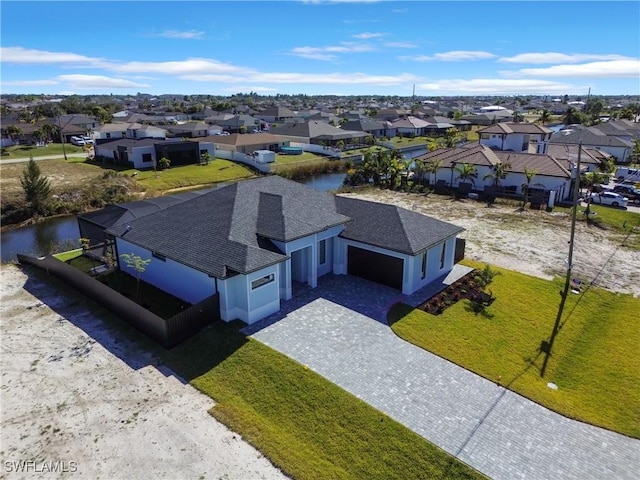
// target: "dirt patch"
[[531, 242], [74, 397]]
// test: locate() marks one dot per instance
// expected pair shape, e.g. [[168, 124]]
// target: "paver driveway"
[[499, 433]]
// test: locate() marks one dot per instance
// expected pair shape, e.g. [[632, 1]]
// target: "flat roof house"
[[252, 241]]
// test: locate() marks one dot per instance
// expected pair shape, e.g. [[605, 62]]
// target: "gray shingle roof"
[[229, 230], [392, 227], [218, 232]]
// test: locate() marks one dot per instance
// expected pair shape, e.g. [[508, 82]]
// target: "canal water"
[[62, 233]]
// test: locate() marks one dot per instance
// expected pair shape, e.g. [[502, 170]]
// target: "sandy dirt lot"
[[74, 398], [531, 242]]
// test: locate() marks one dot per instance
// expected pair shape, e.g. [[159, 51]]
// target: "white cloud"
[[496, 86], [31, 56], [193, 66], [29, 83], [368, 35], [400, 10], [613, 69], [328, 52], [184, 35], [97, 81], [453, 56], [400, 45], [555, 58]]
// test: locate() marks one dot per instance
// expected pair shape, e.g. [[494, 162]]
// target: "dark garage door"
[[376, 267]]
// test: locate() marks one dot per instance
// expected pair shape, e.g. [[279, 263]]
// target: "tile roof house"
[[515, 137], [251, 242], [551, 174]]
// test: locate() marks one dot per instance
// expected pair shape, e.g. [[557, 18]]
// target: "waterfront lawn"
[[218, 170], [299, 159], [408, 141], [594, 356], [307, 426]]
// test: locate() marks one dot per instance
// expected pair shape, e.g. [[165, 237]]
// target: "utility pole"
[[547, 346], [64, 151]]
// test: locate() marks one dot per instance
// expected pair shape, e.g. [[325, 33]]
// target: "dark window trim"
[[260, 282]]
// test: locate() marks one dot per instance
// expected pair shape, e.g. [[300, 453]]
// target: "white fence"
[[243, 158], [321, 149]]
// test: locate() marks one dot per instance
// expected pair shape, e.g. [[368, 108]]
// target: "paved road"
[[44, 157], [501, 434]]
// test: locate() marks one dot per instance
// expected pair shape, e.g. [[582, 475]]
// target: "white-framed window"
[[423, 271], [322, 252], [259, 282]]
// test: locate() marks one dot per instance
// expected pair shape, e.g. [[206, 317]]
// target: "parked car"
[[608, 198], [79, 141], [629, 191]]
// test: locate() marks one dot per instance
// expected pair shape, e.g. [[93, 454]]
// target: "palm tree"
[[432, 167], [571, 116], [451, 137], [545, 117], [529, 174], [13, 131], [500, 171], [467, 172]]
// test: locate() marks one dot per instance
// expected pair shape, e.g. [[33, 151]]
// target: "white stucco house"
[[145, 153], [551, 175], [516, 137], [251, 242]]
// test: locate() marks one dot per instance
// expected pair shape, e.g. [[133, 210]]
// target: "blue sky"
[[321, 47]]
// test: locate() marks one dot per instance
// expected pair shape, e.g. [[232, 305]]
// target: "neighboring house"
[[112, 131], [409, 126], [276, 115], [515, 137], [592, 137], [319, 133], [441, 124], [145, 153], [238, 123], [376, 128], [590, 158], [489, 118], [551, 174], [76, 125], [136, 118], [194, 129], [253, 241], [248, 142]]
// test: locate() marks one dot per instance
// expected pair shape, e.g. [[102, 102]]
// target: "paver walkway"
[[501, 434]]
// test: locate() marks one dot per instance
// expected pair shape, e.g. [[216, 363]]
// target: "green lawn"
[[218, 170], [595, 354], [407, 141], [24, 151], [615, 219], [304, 157], [307, 426]]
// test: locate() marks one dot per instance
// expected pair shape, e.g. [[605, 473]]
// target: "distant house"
[[145, 153], [619, 147], [515, 137], [409, 126], [194, 129], [276, 115], [250, 243], [376, 128], [319, 133]]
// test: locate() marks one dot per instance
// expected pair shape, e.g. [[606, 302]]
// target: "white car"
[[608, 198]]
